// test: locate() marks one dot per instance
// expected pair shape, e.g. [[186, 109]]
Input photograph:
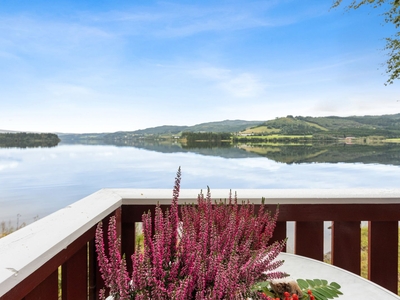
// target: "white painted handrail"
[[273, 196], [24, 251]]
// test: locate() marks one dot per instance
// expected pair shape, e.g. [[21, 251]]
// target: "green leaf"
[[334, 290], [261, 285], [324, 292], [318, 282], [302, 284], [268, 293], [310, 282], [318, 295], [320, 288], [335, 285]]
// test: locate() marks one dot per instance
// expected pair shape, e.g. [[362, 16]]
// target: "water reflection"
[[333, 153], [279, 152], [37, 181]]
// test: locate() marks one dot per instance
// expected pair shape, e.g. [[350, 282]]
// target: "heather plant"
[[215, 250], [112, 266]]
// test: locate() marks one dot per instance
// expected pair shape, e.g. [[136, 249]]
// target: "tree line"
[[206, 136], [28, 140]]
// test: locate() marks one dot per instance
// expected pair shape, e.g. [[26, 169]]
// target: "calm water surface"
[[35, 182]]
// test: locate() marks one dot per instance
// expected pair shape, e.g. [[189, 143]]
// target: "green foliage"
[[320, 288], [28, 140], [392, 16], [387, 121]]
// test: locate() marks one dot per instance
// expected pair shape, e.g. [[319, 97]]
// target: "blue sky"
[[105, 66]]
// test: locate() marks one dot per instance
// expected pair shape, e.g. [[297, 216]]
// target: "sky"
[[110, 65]]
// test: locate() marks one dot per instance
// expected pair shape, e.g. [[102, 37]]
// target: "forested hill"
[[166, 129], [221, 126], [286, 125], [386, 125]]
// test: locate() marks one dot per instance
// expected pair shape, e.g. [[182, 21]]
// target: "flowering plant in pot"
[[214, 250]]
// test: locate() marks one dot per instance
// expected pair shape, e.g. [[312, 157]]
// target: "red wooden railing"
[[80, 279]]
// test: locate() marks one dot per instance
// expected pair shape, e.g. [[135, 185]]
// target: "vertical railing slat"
[[74, 276], [279, 233], [128, 243], [346, 246], [47, 289], [92, 265], [118, 220], [309, 239], [383, 254]]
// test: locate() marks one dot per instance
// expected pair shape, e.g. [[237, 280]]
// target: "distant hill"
[[318, 127], [223, 126], [165, 130], [220, 126], [386, 125], [153, 131]]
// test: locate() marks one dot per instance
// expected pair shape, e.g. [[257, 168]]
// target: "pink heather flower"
[[112, 267], [215, 250]]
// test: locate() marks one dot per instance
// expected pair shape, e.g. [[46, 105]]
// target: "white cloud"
[[243, 86], [235, 84]]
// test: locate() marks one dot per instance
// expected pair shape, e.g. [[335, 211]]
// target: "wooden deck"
[[30, 258]]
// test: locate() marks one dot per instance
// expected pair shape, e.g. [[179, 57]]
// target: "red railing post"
[[309, 239], [74, 276], [383, 254], [280, 233], [47, 289], [346, 245], [93, 270]]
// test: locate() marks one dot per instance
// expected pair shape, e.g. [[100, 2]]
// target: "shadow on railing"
[[30, 259]]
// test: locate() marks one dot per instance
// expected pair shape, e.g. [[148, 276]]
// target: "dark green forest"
[[211, 138], [28, 140]]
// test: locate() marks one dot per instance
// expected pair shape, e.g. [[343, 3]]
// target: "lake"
[[35, 182]]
